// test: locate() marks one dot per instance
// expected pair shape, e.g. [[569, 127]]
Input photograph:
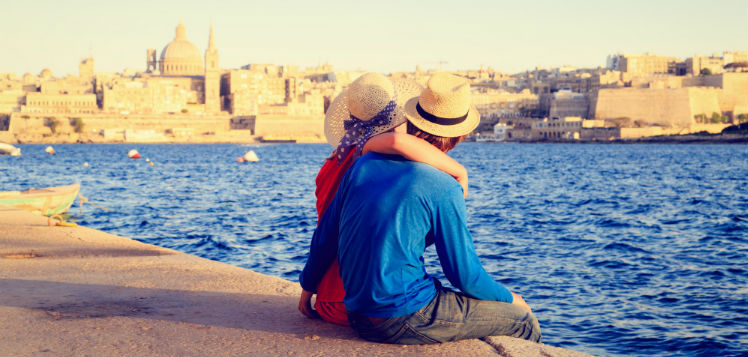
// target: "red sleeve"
[[328, 180], [330, 291]]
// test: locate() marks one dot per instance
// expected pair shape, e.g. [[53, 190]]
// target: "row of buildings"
[[180, 90], [633, 96], [183, 94]]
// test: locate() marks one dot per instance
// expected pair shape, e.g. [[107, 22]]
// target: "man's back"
[[385, 219], [390, 210]]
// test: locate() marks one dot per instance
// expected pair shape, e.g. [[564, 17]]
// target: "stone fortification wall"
[[49, 128], [95, 122], [28, 127], [734, 94], [663, 107], [704, 81], [736, 83], [635, 133], [300, 128], [706, 100], [611, 133]]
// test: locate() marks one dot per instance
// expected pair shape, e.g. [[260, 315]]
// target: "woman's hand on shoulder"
[[463, 181]]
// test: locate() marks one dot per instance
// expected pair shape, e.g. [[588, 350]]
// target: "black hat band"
[[440, 120]]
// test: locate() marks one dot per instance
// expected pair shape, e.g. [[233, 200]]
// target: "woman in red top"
[[359, 120]]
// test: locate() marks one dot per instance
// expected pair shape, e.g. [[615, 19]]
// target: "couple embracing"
[[387, 193]]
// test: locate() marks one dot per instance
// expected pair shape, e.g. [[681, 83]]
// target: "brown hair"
[[442, 143]]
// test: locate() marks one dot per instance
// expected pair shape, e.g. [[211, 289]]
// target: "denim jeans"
[[450, 316]]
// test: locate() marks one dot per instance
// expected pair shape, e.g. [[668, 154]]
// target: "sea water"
[[621, 250]]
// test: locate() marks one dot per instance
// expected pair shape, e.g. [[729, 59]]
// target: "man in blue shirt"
[[387, 210]]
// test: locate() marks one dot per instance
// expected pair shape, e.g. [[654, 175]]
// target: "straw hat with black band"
[[444, 108], [371, 105]]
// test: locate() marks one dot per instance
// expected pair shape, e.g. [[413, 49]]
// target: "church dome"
[[181, 57], [45, 74]]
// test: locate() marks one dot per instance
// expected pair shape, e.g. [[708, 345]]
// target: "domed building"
[[190, 81], [181, 57], [45, 74]]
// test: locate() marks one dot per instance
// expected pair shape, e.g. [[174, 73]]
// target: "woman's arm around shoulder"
[[417, 149]]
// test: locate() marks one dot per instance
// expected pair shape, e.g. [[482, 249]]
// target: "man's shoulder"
[[421, 174], [399, 161]]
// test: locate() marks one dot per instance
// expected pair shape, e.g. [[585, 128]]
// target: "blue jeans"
[[450, 316]]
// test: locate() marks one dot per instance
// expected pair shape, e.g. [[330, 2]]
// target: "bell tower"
[[212, 77]]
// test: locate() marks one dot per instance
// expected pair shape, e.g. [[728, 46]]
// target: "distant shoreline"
[[741, 138], [732, 138]]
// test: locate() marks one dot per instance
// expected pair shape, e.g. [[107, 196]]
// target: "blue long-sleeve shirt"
[[386, 212]]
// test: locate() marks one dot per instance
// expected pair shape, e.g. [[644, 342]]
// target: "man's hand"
[[519, 301], [305, 305]]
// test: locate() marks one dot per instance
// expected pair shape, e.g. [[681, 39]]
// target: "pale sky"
[[379, 35]]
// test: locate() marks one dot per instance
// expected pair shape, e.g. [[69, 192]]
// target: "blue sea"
[[621, 250]]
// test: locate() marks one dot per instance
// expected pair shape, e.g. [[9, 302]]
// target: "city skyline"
[[388, 37]]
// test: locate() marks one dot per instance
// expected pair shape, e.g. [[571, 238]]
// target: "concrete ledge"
[[75, 291]]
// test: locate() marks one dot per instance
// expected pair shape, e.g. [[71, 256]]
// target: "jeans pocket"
[[409, 336]]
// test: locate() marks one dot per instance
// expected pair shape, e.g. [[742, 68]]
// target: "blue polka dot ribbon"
[[359, 131]]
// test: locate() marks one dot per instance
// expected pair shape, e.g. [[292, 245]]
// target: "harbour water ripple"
[[621, 250]]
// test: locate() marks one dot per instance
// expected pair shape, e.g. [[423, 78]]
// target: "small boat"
[[249, 156], [48, 201], [7, 149]]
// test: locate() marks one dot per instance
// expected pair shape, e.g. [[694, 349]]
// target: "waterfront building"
[[48, 103], [648, 64], [568, 128], [566, 103], [599, 130], [71, 85], [245, 89], [546, 82], [499, 134], [697, 65], [494, 104], [641, 64], [69, 95], [154, 95]]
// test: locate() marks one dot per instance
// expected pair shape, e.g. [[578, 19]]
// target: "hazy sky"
[[379, 35]]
